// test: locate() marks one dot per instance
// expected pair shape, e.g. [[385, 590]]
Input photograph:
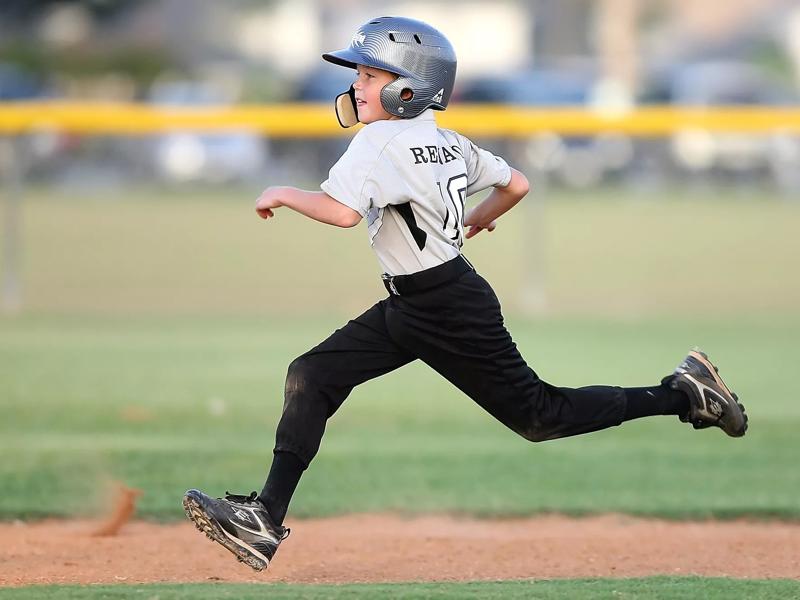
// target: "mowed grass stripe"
[[193, 402], [661, 588]]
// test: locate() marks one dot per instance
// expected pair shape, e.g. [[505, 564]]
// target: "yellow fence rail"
[[314, 120]]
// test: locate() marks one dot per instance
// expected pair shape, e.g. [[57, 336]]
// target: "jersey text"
[[435, 154]]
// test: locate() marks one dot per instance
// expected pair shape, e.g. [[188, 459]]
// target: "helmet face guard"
[[346, 108], [421, 57]]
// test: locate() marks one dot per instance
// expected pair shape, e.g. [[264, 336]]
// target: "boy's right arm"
[[499, 202], [316, 205]]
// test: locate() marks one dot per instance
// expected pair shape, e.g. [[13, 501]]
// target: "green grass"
[[166, 404], [158, 326], [662, 588], [609, 253]]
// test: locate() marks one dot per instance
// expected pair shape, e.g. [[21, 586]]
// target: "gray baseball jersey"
[[410, 180]]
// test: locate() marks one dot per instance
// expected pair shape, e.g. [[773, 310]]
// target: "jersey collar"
[[426, 115]]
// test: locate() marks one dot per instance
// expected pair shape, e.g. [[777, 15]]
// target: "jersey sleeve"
[[364, 176], [484, 169]]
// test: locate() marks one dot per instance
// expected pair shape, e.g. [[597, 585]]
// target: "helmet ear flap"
[[346, 110]]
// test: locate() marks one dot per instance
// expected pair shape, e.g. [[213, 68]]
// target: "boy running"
[[410, 180]]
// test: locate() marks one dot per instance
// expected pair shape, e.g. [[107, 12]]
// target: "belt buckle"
[[389, 280]]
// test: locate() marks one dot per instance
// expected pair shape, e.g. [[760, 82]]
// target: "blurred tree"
[[142, 65], [39, 41], [28, 10]]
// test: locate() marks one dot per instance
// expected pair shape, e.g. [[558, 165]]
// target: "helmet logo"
[[358, 39], [438, 96]]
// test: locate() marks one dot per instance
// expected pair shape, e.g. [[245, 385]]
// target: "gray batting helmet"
[[420, 55]]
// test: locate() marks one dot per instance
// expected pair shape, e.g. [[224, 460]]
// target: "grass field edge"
[[660, 586]]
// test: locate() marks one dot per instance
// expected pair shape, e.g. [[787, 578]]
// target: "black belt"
[[404, 285]]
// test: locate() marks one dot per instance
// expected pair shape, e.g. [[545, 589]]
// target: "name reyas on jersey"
[[435, 154]]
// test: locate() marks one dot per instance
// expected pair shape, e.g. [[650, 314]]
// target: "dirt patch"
[[385, 548]]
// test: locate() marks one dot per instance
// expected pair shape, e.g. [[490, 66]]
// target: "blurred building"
[[264, 50]]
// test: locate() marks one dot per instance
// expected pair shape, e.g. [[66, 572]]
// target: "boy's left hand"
[[476, 229], [268, 200]]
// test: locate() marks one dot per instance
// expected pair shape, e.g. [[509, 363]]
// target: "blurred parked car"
[[212, 157], [324, 83], [727, 83], [16, 84], [574, 161], [320, 86], [43, 150]]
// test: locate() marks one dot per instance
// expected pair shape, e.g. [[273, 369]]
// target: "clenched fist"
[[267, 201]]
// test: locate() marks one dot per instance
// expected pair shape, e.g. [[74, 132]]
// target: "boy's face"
[[368, 85]]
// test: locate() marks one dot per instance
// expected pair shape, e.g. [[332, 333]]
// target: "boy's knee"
[[298, 375], [534, 435], [538, 432]]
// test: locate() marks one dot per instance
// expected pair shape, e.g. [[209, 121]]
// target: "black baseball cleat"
[[240, 523], [711, 403]]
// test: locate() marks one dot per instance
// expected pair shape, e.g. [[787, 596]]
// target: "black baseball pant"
[[457, 329]]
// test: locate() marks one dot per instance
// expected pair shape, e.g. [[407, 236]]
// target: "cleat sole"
[[215, 533]]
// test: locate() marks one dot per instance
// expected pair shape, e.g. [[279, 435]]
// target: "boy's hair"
[[422, 58]]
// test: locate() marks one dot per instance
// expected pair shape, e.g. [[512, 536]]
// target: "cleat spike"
[[218, 519]]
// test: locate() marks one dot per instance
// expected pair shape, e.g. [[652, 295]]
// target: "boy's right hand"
[[268, 200], [475, 229]]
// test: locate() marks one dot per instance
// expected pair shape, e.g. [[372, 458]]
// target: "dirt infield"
[[389, 548]]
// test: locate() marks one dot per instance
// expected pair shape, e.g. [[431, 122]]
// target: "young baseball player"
[[409, 179]]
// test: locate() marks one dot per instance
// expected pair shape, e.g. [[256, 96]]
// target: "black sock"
[[284, 475], [655, 400]]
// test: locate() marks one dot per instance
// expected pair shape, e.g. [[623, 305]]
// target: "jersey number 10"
[[455, 198]]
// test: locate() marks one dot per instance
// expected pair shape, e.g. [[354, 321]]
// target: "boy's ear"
[[346, 110]]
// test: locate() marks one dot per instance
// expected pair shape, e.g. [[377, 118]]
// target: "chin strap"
[[346, 110]]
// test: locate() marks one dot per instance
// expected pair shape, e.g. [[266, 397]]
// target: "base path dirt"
[[390, 548]]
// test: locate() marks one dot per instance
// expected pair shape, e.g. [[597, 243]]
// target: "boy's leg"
[[654, 400], [471, 347], [317, 384]]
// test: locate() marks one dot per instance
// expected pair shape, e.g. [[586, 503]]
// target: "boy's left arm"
[[499, 202], [315, 205]]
